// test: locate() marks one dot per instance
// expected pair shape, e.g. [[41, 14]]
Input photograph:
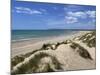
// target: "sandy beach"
[[26, 46], [72, 54], [52, 37]]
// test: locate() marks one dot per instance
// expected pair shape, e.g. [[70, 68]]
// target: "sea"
[[20, 35]]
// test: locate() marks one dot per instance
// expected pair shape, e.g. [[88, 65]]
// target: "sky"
[[37, 15]]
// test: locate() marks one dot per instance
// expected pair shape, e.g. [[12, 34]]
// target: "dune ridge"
[[75, 53]]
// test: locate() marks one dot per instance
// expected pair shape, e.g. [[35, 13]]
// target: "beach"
[[64, 53], [25, 46], [48, 37]]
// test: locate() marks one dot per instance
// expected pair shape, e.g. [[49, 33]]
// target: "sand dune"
[[73, 54], [30, 45]]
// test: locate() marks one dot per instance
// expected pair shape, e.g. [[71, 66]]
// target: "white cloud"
[[43, 10], [36, 12], [77, 14], [18, 11], [27, 10], [23, 8], [73, 17], [91, 14], [82, 14], [70, 20]]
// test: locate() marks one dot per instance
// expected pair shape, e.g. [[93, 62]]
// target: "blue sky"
[[34, 15]]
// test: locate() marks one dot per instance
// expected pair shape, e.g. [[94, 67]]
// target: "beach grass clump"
[[35, 64], [49, 46], [54, 46], [16, 60], [46, 63], [89, 39], [81, 50], [29, 66], [21, 70], [57, 44], [40, 61], [84, 53], [46, 46], [73, 45], [30, 53], [65, 42], [92, 42]]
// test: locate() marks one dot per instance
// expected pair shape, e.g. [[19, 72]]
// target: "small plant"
[[73, 45], [30, 53], [16, 60], [84, 53], [34, 64]]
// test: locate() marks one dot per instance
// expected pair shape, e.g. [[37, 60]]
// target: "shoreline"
[[26, 46], [74, 52]]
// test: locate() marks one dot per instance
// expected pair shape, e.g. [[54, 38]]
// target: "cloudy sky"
[[34, 15]]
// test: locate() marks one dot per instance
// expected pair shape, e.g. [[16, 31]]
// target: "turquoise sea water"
[[18, 35]]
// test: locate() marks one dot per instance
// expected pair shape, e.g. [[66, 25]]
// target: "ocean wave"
[[18, 40]]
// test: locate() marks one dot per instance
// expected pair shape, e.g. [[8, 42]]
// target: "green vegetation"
[[81, 50], [35, 64], [16, 60], [73, 45], [84, 53], [89, 39]]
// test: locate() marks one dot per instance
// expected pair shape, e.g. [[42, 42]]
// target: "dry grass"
[[33, 66], [89, 39], [81, 50], [43, 62]]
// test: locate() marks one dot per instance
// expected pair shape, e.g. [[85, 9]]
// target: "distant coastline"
[[20, 35]]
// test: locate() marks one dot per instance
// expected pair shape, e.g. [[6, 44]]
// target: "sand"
[[23, 47], [67, 56], [71, 59]]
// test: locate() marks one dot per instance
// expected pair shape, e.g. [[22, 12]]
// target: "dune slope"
[[74, 54]]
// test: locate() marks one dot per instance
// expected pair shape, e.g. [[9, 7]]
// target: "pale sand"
[[30, 45], [68, 57], [71, 60]]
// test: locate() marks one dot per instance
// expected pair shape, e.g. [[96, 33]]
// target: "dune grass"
[[89, 39], [81, 50], [33, 65], [16, 60]]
